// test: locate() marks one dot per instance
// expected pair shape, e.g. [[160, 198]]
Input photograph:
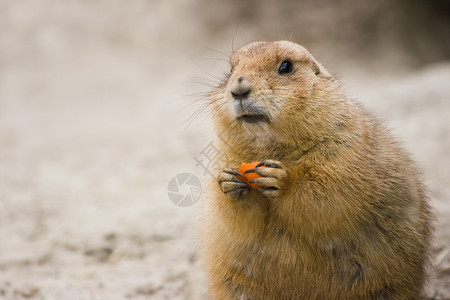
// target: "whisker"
[[198, 96], [225, 60], [201, 68], [212, 83], [192, 118], [234, 35], [194, 102], [217, 51]]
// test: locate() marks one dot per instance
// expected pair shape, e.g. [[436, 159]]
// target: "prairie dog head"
[[269, 88]]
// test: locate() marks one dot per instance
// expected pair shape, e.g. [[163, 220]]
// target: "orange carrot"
[[249, 176]]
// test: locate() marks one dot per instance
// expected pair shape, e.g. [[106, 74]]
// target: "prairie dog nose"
[[240, 88]]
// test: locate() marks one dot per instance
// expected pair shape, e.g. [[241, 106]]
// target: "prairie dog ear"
[[318, 69]]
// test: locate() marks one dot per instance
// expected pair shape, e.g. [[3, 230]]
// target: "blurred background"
[[101, 105]]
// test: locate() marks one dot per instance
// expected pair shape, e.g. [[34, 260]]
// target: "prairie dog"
[[341, 212]]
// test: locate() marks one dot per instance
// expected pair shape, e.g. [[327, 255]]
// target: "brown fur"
[[341, 213]]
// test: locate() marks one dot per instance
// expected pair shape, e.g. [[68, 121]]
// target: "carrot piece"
[[249, 176]]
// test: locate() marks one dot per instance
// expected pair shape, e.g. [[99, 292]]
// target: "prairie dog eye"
[[285, 67]]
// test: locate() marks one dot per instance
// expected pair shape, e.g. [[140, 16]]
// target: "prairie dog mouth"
[[247, 111], [253, 118]]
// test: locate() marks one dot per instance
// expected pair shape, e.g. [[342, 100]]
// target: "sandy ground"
[[95, 122]]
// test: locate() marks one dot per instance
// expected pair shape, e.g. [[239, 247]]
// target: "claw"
[[270, 188], [238, 193], [267, 182], [259, 165], [269, 164], [251, 170], [231, 184], [271, 182], [231, 171], [233, 179]]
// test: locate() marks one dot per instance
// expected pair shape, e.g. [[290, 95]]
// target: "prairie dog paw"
[[231, 185], [273, 176]]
